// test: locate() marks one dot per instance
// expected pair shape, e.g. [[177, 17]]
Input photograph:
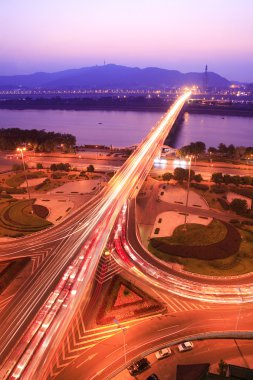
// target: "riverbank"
[[139, 104]]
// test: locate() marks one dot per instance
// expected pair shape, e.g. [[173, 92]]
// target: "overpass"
[[40, 313]]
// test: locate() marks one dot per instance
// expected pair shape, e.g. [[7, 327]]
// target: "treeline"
[[231, 179], [37, 140], [199, 148], [181, 174]]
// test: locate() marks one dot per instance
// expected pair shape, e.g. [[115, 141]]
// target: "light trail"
[[100, 220], [175, 284]]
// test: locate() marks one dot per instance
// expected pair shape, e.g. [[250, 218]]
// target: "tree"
[[90, 169], [247, 180], [212, 150], [236, 180], [227, 179], [167, 176], [240, 206], [222, 148], [198, 178], [195, 148], [199, 147], [61, 166], [222, 369], [217, 177], [231, 150], [53, 167], [180, 174]]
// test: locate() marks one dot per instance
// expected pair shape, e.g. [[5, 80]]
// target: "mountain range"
[[111, 77]]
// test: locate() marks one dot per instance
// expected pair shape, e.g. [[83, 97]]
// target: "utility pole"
[[124, 338], [21, 150]]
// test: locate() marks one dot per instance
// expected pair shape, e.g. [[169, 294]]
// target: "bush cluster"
[[220, 250], [231, 179]]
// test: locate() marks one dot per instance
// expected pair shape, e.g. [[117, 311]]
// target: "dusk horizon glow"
[[58, 35]]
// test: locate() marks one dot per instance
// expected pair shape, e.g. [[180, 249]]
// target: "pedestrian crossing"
[[39, 257], [107, 269], [80, 339], [177, 304]]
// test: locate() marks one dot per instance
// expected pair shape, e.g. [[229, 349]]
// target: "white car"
[[163, 353], [185, 346]]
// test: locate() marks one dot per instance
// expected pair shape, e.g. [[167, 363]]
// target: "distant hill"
[[111, 76]]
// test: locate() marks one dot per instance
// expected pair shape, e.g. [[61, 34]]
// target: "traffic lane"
[[27, 301], [53, 233], [237, 352], [103, 359], [118, 191], [162, 168]]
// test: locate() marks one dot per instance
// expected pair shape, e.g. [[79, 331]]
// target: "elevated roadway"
[[82, 239]]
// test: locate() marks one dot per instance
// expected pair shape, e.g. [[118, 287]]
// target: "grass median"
[[238, 263], [17, 218]]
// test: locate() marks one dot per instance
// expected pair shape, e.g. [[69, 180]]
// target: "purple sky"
[[52, 35]]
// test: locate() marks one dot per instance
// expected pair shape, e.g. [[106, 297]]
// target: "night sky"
[[185, 35]]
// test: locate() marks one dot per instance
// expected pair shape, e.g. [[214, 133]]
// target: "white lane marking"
[[88, 358], [168, 327]]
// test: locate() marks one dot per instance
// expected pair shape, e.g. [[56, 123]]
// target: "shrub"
[[167, 176], [218, 189], [198, 178], [224, 203], [239, 206], [243, 191], [90, 169], [40, 185], [200, 186], [57, 175], [61, 166]]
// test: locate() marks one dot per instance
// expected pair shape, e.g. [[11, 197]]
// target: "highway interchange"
[[62, 285], [82, 239]]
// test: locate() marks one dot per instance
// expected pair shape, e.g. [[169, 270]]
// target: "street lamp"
[[124, 338], [21, 150], [239, 312], [188, 188]]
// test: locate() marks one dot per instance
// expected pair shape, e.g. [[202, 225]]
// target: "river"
[[125, 128]]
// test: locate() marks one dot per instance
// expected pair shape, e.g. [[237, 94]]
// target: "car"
[[138, 366], [153, 377], [185, 346], [163, 353]]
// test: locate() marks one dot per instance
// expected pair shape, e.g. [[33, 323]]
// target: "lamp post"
[[21, 150], [188, 188], [124, 338], [240, 309]]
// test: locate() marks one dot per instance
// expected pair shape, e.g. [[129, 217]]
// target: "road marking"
[[88, 358], [120, 348], [98, 373], [168, 327]]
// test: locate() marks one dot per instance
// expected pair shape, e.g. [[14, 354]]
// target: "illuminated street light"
[[21, 150], [239, 312], [124, 337], [188, 188]]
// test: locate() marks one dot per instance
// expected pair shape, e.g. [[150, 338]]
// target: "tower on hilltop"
[[205, 79]]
